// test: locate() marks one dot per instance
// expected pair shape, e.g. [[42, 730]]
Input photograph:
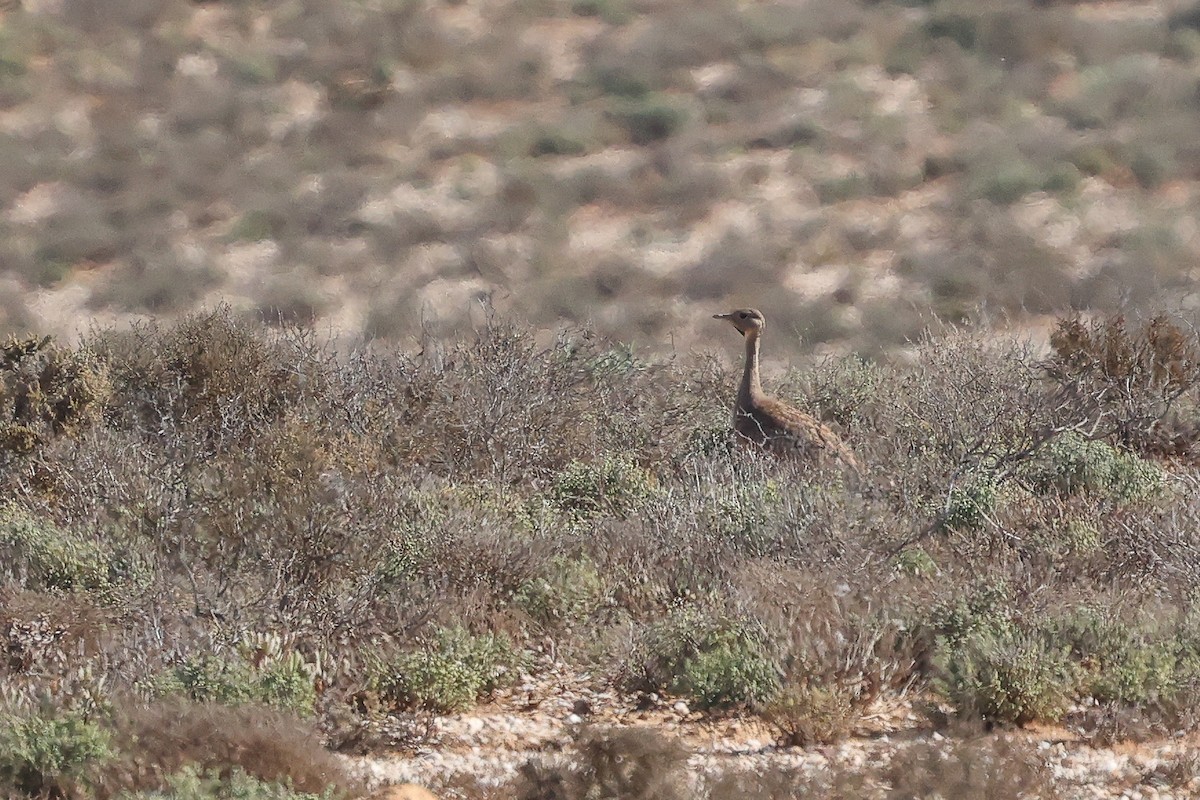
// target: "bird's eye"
[[742, 315]]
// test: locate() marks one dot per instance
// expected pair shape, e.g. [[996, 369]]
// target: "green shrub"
[[1007, 182], [968, 506], [613, 486], [839, 188], [986, 611], [1015, 676], [710, 661], [453, 672], [43, 557], [42, 755], [648, 119], [283, 683], [190, 783], [1118, 664], [742, 514], [569, 590], [1072, 463], [731, 670], [915, 561]]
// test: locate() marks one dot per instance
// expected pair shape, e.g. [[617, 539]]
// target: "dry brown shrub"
[[610, 764], [996, 767], [1137, 382], [156, 741]]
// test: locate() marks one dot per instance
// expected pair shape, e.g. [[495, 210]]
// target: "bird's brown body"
[[772, 424]]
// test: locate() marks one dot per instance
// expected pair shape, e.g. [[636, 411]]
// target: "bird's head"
[[744, 319]]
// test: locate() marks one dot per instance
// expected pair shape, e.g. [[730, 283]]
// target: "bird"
[[770, 423]]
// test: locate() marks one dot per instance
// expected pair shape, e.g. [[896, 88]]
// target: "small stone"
[[681, 707], [582, 707], [574, 719]]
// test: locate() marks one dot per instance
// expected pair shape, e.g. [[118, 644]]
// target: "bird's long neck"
[[751, 388]]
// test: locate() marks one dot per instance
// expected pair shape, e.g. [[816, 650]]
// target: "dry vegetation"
[[250, 542], [851, 167]]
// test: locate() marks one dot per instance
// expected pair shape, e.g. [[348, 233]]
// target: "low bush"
[[285, 683], [39, 555], [1072, 463], [567, 592], [614, 486], [1018, 676], [452, 672], [48, 754], [192, 784], [808, 715], [712, 663]]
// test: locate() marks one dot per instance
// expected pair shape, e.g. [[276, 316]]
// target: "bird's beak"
[[720, 316]]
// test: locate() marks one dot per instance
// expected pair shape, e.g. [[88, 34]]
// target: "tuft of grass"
[[808, 715]]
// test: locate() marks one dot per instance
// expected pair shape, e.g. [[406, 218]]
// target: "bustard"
[[770, 423]]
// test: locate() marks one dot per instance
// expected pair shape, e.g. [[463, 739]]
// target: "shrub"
[[568, 591], [1071, 463], [614, 486], [44, 755], [1016, 676], [714, 663], [451, 673], [191, 783], [1135, 383], [986, 611], [808, 715], [1118, 664], [46, 390], [39, 555], [284, 683], [743, 514], [648, 119], [968, 506]]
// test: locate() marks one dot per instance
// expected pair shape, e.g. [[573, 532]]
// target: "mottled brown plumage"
[[771, 423]]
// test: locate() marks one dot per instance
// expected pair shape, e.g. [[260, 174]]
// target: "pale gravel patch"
[[39, 203], [535, 722]]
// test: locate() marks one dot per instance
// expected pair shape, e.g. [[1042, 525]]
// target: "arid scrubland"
[[852, 168], [233, 543], [279, 546]]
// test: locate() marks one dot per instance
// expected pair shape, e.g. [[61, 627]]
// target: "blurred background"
[[854, 168]]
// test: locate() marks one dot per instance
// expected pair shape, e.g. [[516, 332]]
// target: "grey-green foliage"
[[284, 682], [192, 784], [39, 753], [450, 673], [567, 590], [1073, 463], [987, 610], [712, 662], [1007, 676], [743, 513], [968, 505], [1120, 662], [613, 485], [39, 555]]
